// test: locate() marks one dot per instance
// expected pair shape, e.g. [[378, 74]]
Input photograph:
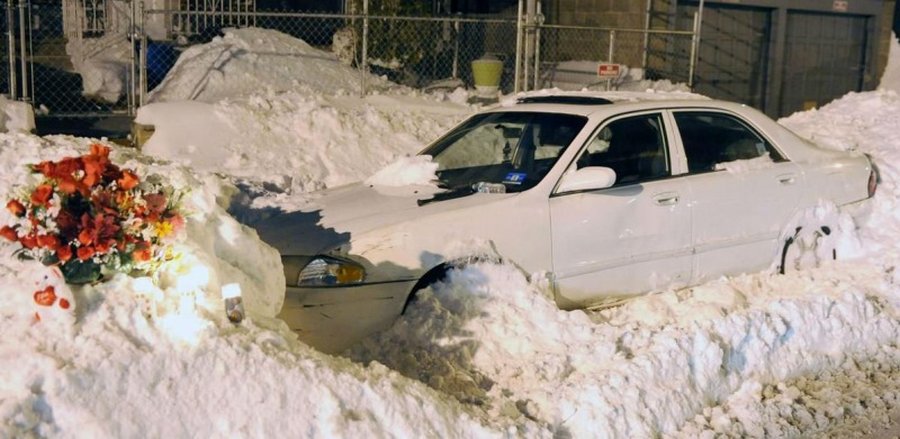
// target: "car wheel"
[[433, 276], [806, 248]]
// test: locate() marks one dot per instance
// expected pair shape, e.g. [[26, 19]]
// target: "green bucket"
[[486, 73]]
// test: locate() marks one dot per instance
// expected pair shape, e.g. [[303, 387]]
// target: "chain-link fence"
[[571, 53], [414, 51], [109, 58]]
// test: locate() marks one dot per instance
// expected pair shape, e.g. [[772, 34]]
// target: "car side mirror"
[[589, 178]]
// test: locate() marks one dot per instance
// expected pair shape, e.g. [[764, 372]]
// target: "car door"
[[744, 192], [629, 238]]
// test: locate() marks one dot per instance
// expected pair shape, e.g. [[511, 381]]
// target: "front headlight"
[[325, 271]]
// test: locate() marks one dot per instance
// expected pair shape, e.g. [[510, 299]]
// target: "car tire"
[[433, 276], [802, 248]]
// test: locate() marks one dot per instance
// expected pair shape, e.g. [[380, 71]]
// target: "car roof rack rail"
[[564, 99]]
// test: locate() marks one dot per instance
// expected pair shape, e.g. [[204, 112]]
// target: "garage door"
[[824, 59], [733, 58]]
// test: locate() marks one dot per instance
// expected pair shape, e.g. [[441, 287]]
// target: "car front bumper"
[[332, 319]]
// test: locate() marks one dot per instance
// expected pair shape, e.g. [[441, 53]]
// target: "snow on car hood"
[[336, 216]]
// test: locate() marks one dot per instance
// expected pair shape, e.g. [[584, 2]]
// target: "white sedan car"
[[611, 197]]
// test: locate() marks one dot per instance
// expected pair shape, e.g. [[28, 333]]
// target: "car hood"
[[336, 216]]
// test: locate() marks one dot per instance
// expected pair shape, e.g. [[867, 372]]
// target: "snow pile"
[[248, 61], [890, 80], [406, 171], [297, 142], [158, 358], [16, 116], [103, 64], [490, 337]]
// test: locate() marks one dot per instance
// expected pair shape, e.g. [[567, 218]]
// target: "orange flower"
[[48, 241], [67, 185], [16, 207], [28, 241], [64, 253], [142, 254], [41, 195], [128, 180], [45, 297], [9, 233], [93, 170], [99, 150], [85, 253], [85, 237]]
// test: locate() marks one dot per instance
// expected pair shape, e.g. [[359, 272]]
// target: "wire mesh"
[[666, 55], [62, 83], [414, 51]]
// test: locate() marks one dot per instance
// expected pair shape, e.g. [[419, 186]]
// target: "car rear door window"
[[712, 140], [634, 147]]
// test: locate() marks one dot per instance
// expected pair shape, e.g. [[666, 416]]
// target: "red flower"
[[128, 180], [9, 233], [85, 253], [68, 185], [99, 150], [64, 253], [16, 207], [41, 195], [48, 241], [28, 241], [45, 297]]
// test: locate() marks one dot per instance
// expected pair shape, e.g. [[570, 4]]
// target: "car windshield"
[[508, 152]]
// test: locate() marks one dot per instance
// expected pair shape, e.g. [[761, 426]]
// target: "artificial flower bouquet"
[[90, 218]]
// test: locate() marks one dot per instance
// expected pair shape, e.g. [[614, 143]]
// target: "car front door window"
[[634, 147]]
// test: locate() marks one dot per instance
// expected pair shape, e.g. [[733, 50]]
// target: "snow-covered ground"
[[485, 354]]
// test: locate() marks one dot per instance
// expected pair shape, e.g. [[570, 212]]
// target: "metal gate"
[[733, 53], [39, 66], [825, 57]]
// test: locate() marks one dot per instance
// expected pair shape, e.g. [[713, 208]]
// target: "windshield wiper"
[[458, 192]]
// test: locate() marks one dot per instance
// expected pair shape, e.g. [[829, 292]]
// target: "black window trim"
[[603, 123], [743, 121]]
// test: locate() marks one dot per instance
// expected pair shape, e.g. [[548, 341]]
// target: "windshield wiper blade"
[[459, 192]]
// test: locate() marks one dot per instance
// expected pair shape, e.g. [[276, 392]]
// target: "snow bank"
[[890, 80], [297, 142], [406, 171], [16, 116], [248, 61], [158, 358], [490, 337]]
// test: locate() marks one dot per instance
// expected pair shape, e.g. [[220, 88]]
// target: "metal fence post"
[[11, 37], [143, 56], [539, 20], [132, 87], [695, 44], [516, 84], [693, 60], [23, 46], [364, 68], [612, 52], [456, 48]]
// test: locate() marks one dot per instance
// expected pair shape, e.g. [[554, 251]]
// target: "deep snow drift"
[[485, 354]]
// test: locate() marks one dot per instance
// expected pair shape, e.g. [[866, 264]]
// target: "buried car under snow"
[[611, 198]]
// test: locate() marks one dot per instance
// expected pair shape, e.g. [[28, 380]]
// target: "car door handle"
[[787, 179], [666, 199]]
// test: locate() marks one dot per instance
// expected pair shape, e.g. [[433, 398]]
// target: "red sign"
[[608, 70]]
